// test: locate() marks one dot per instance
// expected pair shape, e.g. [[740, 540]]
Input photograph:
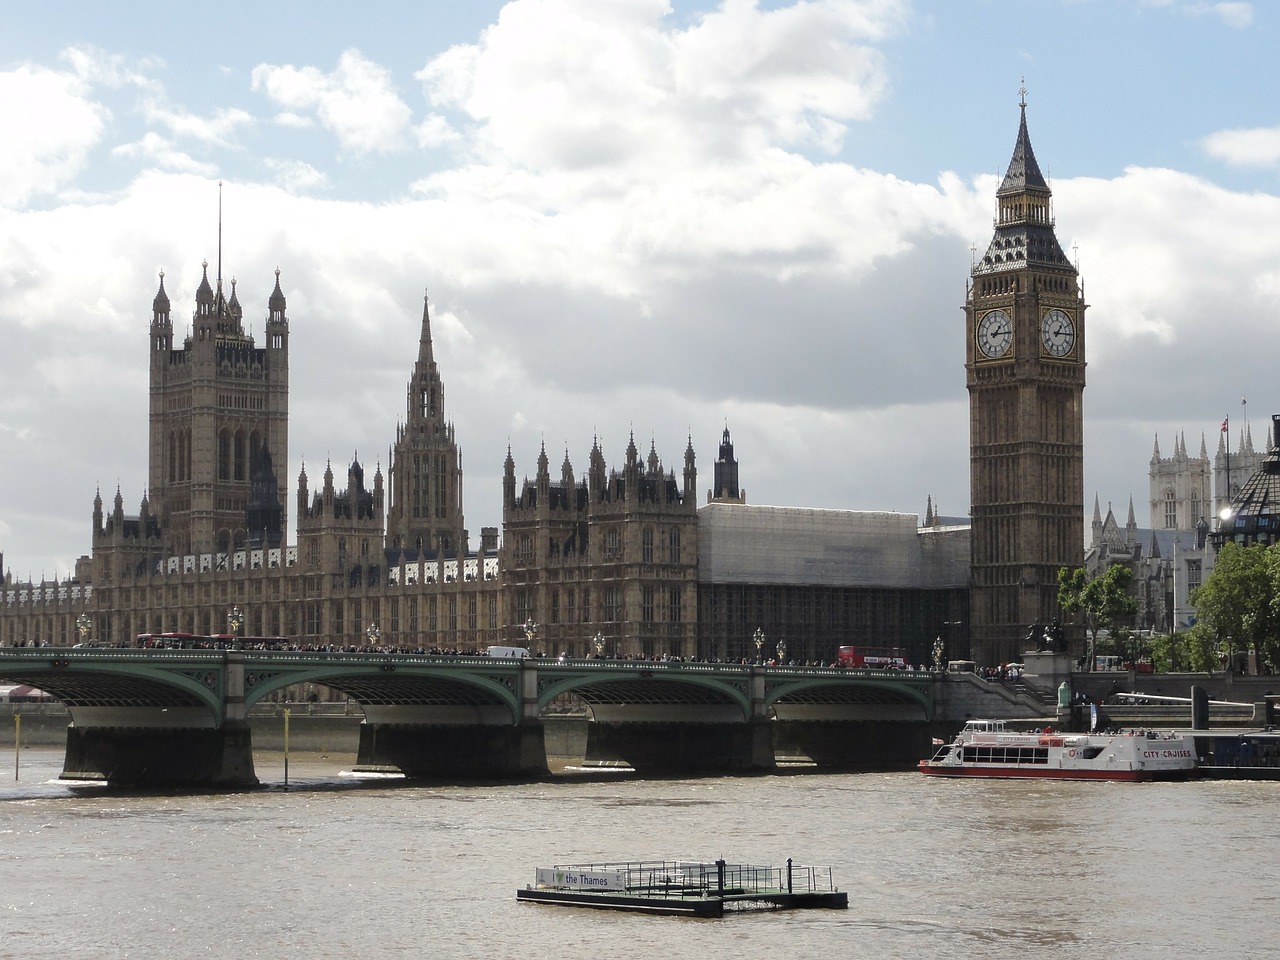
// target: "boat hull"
[[1033, 773]]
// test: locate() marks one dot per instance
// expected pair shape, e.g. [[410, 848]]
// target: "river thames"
[[333, 866]]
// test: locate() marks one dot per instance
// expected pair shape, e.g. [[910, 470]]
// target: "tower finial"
[[219, 231], [1022, 93]]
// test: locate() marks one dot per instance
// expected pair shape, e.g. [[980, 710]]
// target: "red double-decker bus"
[[871, 658]]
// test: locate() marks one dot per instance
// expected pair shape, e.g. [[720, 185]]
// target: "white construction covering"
[[739, 543]]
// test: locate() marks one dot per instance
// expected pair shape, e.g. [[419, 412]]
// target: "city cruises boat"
[[984, 748]]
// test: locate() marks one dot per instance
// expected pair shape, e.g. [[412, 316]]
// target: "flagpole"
[[1226, 428]]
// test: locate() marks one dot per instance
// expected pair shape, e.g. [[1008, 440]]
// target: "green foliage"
[[1101, 602], [1237, 608]]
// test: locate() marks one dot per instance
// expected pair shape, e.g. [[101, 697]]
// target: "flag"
[[937, 742], [1224, 426]]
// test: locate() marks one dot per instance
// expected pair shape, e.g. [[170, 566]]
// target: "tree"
[[1101, 602], [1236, 608]]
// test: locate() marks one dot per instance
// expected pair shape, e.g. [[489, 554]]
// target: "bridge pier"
[[682, 747], [854, 744], [220, 757], [481, 752]]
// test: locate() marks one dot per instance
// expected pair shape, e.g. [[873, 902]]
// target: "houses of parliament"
[[618, 561]]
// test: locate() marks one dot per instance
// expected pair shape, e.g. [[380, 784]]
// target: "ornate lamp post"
[[782, 651], [599, 642], [758, 638], [235, 622], [372, 634], [530, 633], [82, 624]]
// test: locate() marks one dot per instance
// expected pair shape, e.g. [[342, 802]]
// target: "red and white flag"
[[1224, 426]]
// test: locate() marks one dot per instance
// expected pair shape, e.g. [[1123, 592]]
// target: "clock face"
[[1058, 333], [995, 333]]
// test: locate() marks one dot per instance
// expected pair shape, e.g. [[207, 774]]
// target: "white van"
[[517, 652]]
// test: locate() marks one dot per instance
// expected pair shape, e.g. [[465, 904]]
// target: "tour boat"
[[984, 748]]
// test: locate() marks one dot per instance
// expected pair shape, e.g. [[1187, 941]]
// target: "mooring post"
[[788, 874], [720, 875]]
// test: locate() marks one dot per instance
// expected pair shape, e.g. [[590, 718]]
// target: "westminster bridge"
[[179, 717]]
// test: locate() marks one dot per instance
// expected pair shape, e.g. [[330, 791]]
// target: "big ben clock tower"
[[1024, 363]]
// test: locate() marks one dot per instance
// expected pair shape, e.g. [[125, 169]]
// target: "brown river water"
[[336, 866]]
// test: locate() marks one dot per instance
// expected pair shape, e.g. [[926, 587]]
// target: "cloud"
[[1245, 148], [574, 86], [50, 124], [296, 176], [162, 153], [1235, 15], [357, 101], [217, 130]]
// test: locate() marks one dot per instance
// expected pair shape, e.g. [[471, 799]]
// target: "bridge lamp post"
[[530, 633], [758, 637], [782, 651], [235, 622], [599, 642], [372, 634], [82, 624]]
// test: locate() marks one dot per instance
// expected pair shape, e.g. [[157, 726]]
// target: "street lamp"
[[82, 624], [235, 621], [599, 642], [372, 634], [782, 651], [530, 633], [758, 637]]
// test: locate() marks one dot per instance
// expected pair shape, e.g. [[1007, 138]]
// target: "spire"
[[160, 305], [276, 302], [1023, 172], [426, 356], [1155, 452]]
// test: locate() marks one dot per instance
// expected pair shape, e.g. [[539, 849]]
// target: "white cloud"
[[572, 85], [1245, 148], [1235, 15], [296, 176], [357, 101], [218, 129], [161, 152], [50, 124]]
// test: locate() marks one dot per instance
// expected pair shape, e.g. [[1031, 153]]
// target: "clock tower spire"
[[1024, 364]]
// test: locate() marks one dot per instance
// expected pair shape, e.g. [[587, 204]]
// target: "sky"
[[648, 218]]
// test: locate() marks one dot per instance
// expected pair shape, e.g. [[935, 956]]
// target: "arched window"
[[646, 545], [673, 545]]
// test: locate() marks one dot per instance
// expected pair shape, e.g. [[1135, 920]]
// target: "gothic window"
[[646, 604], [471, 613], [173, 457], [572, 602], [1194, 570], [673, 545], [238, 454], [493, 613], [364, 549], [1170, 511], [611, 546], [673, 605], [555, 606], [646, 545], [525, 554], [431, 614], [342, 553], [224, 455], [612, 608]]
